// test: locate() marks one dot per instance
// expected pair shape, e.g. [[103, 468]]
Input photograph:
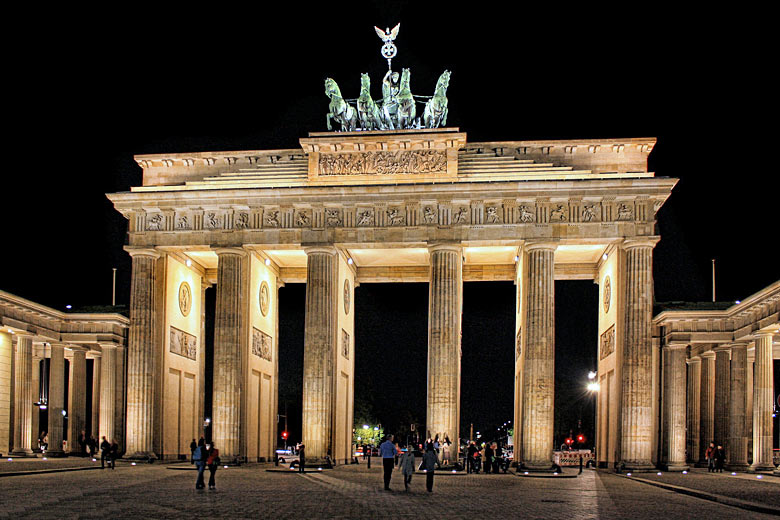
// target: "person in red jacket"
[[709, 454], [212, 462]]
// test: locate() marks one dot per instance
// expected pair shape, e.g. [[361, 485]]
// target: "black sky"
[[90, 89]]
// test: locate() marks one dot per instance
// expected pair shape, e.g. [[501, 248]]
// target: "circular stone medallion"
[[347, 296], [185, 298], [264, 298], [607, 293]]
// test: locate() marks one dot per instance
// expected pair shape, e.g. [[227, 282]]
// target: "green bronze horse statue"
[[368, 111], [407, 109], [435, 113], [339, 110]]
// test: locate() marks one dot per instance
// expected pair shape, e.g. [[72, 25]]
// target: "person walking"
[[471, 455], [113, 453], [105, 449], [720, 458], [387, 452], [199, 456], [213, 462], [709, 454], [301, 458], [193, 445], [487, 456], [429, 465], [406, 464]]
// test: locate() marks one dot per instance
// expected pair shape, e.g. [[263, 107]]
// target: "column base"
[[638, 467], [27, 452], [677, 467], [762, 468], [737, 467]]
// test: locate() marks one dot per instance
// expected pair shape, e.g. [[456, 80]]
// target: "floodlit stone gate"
[[385, 206]]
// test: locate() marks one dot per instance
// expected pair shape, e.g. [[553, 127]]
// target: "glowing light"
[[759, 476], [628, 474], [685, 472], [9, 460], [64, 413], [94, 460], [349, 261], [592, 375], [365, 427], [604, 256], [555, 473], [189, 263], [454, 471], [267, 261], [319, 469], [69, 306], [517, 258], [225, 467], [43, 458], [738, 302], [659, 473], [132, 463], [733, 473], [594, 387]]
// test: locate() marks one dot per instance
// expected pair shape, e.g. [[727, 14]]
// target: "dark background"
[[89, 89]]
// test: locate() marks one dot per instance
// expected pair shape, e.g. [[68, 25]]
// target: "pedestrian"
[[720, 458], [83, 443], [45, 441], [113, 453], [445, 453], [193, 445], [429, 465], [199, 456], [387, 452], [105, 450], [213, 462], [91, 445], [487, 457], [406, 465], [301, 458], [709, 455], [471, 455], [497, 456]]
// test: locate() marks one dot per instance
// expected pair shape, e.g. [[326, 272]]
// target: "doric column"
[[707, 404], [36, 390], [95, 398], [77, 407], [141, 354], [229, 327], [56, 399], [694, 412], [736, 450], [763, 394], [636, 443], [674, 402], [202, 359], [23, 396], [319, 349], [108, 390], [722, 375], [120, 396], [539, 368], [445, 297]]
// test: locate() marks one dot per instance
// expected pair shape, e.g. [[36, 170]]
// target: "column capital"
[[725, 347], [766, 333], [675, 345], [238, 251], [534, 245], [142, 251], [693, 360], [445, 246], [323, 249], [633, 242]]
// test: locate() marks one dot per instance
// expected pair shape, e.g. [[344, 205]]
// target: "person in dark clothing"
[[83, 443], [199, 456], [193, 445], [720, 458], [105, 450], [302, 458], [488, 458], [471, 457], [709, 454], [387, 451], [429, 465], [213, 463], [498, 458], [113, 453]]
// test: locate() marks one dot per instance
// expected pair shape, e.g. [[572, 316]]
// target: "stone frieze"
[[384, 163]]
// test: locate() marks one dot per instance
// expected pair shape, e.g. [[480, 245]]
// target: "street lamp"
[[593, 387]]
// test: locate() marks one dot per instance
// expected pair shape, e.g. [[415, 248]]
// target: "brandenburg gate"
[[387, 205]]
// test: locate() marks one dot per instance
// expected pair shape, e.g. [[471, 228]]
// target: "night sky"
[[90, 90]]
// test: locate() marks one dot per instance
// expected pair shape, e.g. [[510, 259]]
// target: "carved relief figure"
[[383, 163], [588, 213], [558, 214], [345, 343], [525, 215], [261, 344], [183, 223], [460, 216], [365, 218], [242, 221], [154, 223], [395, 218], [625, 212], [518, 344], [183, 344], [429, 215], [492, 215], [607, 344], [333, 217], [272, 219], [212, 221], [302, 219]]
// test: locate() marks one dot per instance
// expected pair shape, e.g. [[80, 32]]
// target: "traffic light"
[[569, 441], [284, 435], [580, 438]]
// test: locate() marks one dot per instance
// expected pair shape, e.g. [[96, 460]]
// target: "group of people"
[[716, 457], [490, 458], [109, 451], [205, 455], [388, 451]]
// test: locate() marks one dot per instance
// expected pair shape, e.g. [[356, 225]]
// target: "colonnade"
[[722, 397]]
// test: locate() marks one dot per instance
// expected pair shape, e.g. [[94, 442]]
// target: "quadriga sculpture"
[[407, 109], [339, 110], [368, 111], [435, 113]]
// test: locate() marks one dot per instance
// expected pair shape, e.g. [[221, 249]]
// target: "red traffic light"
[[284, 435], [580, 438], [569, 441]]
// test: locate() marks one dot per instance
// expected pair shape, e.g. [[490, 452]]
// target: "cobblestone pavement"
[[157, 491]]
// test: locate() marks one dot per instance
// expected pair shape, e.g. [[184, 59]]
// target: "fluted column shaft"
[[229, 328], [142, 355], [96, 370], [202, 361], [636, 441], [707, 405], [736, 451], [445, 299], [675, 403], [539, 367], [23, 396], [319, 350], [56, 399], [763, 394], [77, 408], [722, 376], [108, 390], [694, 412], [36, 391]]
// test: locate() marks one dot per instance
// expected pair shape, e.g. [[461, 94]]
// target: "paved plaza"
[[160, 491]]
